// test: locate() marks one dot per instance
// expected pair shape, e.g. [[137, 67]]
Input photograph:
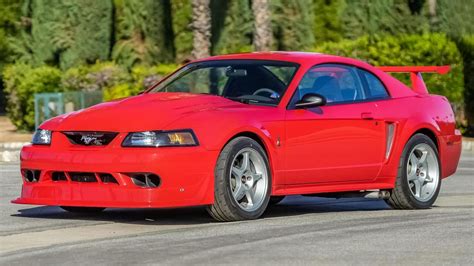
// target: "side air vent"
[[31, 175], [389, 141], [147, 180]]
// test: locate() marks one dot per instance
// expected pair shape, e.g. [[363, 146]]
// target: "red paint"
[[418, 85], [341, 147]]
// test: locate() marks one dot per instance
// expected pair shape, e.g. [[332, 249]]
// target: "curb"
[[10, 151], [467, 144]]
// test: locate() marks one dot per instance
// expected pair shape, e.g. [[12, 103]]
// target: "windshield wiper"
[[251, 99]]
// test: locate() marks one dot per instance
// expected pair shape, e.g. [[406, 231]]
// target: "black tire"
[[82, 209], [225, 207], [401, 196], [274, 200]]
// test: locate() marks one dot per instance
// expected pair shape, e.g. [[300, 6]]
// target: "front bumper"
[[186, 174]]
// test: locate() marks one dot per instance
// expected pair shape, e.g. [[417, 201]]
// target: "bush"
[[103, 76], [21, 83], [466, 47], [141, 77], [409, 50]]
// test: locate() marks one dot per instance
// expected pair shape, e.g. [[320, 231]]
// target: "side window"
[[375, 88], [337, 83]]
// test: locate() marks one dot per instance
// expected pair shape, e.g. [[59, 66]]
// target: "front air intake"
[[107, 178], [58, 176], [82, 177]]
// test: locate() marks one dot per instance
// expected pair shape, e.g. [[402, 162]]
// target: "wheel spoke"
[[417, 188], [239, 191], [238, 173], [256, 177], [423, 157], [249, 194], [412, 175], [245, 161], [413, 160]]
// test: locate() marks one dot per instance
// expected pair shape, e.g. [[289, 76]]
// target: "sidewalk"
[[11, 141]]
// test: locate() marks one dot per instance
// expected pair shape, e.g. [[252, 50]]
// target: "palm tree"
[[201, 28], [262, 36], [432, 12]]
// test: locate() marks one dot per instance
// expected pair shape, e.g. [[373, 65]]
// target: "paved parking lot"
[[300, 230]]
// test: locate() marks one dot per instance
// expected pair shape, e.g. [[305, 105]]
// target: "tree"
[[379, 17], [231, 26], [144, 33], [183, 36], [262, 34], [293, 22], [327, 20], [66, 32], [9, 20], [456, 17], [201, 26]]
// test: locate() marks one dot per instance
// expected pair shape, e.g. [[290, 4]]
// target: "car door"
[[338, 142]]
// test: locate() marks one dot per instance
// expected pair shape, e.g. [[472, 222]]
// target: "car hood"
[[139, 113]]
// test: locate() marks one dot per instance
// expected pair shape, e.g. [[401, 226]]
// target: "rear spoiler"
[[417, 83]]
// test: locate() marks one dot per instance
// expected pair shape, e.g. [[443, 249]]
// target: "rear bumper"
[[450, 153], [186, 177]]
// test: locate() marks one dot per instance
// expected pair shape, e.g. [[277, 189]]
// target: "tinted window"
[[337, 83], [247, 81], [375, 88]]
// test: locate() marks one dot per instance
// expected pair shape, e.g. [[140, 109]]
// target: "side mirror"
[[310, 100]]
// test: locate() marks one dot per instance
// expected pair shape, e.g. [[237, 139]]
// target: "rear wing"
[[417, 83]]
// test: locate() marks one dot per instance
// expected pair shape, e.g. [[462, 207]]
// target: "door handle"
[[367, 116]]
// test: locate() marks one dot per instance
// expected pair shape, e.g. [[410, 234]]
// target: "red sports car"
[[239, 132]]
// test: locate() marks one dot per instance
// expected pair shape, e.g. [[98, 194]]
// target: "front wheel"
[[242, 181], [419, 175]]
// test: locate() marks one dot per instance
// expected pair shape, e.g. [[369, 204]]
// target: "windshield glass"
[[247, 81]]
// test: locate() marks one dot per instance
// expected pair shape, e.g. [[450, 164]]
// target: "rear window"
[[375, 88]]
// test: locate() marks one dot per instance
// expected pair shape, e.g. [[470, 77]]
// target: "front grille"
[[90, 138], [83, 177]]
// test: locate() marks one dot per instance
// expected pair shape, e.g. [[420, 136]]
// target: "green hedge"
[[409, 50], [23, 81], [466, 47]]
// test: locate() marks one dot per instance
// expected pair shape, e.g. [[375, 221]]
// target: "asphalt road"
[[300, 230]]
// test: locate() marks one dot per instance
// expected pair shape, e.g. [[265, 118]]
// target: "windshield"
[[247, 81]]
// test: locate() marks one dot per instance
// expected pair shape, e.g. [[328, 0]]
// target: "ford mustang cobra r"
[[239, 132]]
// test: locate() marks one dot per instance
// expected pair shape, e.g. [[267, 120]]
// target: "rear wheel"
[[242, 181], [419, 175], [82, 209]]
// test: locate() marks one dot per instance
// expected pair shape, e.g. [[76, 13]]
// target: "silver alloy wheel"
[[423, 172], [249, 179]]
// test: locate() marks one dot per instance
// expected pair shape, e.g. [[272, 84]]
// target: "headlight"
[[160, 139], [42, 137]]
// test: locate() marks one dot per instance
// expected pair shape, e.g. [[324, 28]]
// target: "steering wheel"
[[273, 94]]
